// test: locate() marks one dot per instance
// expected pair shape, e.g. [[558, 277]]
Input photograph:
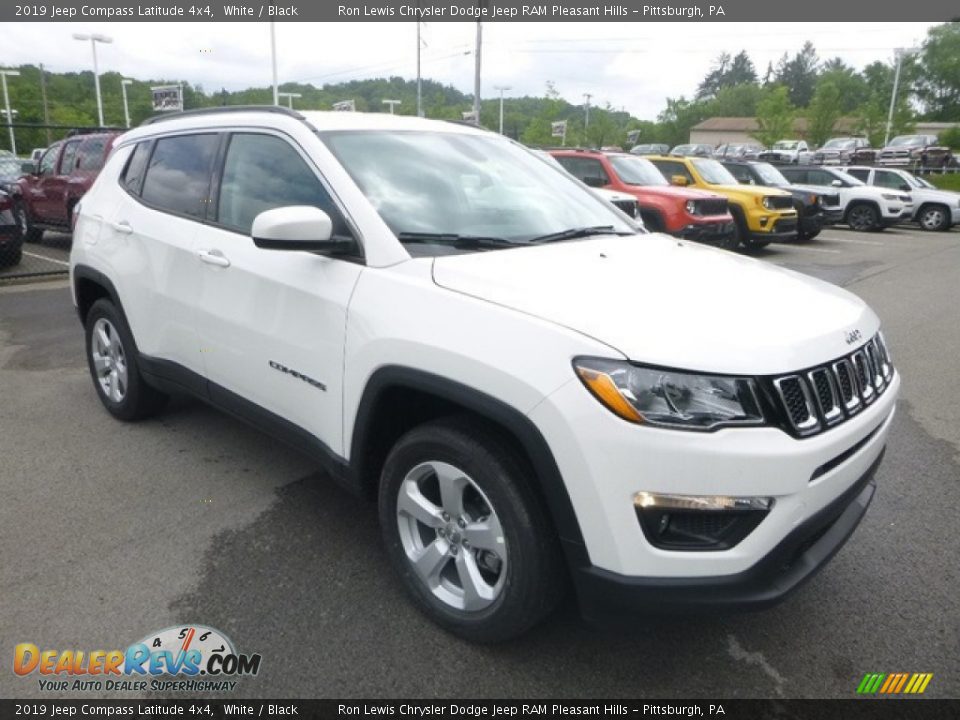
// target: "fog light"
[[698, 522]]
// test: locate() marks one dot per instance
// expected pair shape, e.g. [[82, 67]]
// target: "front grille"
[[627, 206], [826, 395], [776, 202], [785, 226], [712, 206], [830, 201]]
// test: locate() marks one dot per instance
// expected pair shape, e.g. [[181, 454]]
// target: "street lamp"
[[94, 39], [289, 97], [391, 103], [6, 105], [273, 62], [123, 89], [900, 53], [586, 120], [501, 88]]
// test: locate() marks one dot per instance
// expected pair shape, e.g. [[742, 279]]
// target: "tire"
[[743, 232], [517, 580], [11, 255], [27, 230], [863, 218], [934, 218], [114, 367]]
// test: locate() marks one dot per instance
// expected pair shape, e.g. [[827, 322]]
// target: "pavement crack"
[[738, 652]]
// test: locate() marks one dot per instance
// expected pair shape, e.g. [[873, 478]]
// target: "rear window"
[[178, 175], [90, 156], [136, 165]]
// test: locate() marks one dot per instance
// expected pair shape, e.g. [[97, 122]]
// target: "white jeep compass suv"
[[538, 393]]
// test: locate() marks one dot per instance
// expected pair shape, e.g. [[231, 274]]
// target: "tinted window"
[[90, 156], [136, 165], [741, 173], [669, 169], [820, 177], [69, 158], [49, 160], [262, 172], [178, 176], [584, 168], [859, 173], [887, 179]]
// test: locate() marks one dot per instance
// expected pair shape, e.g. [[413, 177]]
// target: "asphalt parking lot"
[[48, 257], [112, 531]]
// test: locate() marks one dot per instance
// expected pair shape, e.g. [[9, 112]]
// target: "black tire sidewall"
[[139, 400], [531, 558], [875, 217]]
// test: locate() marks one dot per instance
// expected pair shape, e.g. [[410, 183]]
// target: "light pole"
[[290, 97], [123, 89], [476, 73], [391, 103], [94, 39], [586, 120], [6, 105], [419, 82], [501, 88], [900, 53], [273, 62]]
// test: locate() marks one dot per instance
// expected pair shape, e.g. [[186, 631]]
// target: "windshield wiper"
[[458, 241], [580, 232]]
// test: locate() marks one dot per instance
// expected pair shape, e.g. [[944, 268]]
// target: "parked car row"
[[909, 151]]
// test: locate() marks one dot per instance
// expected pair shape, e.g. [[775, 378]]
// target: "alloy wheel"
[[109, 360], [932, 219], [452, 536], [861, 218]]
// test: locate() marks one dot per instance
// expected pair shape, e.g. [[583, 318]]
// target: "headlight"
[[669, 398], [768, 203], [888, 196], [691, 207], [814, 200]]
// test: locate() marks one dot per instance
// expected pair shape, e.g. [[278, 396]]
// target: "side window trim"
[[218, 178], [121, 178]]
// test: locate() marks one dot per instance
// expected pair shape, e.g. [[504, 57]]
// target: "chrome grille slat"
[[823, 396]]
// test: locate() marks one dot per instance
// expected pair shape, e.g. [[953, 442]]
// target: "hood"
[[944, 196], [750, 190], [667, 302], [674, 191], [613, 195]]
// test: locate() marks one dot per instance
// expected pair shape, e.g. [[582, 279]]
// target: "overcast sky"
[[630, 65]]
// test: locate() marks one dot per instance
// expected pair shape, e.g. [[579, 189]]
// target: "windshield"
[[9, 167], [459, 185], [917, 182], [838, 144], [848, 178], [785, 145], [714, 173], [906, 141], [770, 175], [637, 171]]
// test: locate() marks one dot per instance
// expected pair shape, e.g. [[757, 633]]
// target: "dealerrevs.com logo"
[[192, 658]]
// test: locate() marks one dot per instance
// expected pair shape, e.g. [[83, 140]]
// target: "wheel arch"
[[856, 202], [90, 285], [397, 398]]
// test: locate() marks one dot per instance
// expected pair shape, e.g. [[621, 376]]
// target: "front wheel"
[[27, 230], [466, 532], [863, 218]]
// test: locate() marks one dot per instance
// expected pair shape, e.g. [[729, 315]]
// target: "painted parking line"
[[851, 241], [48, 259], [814, 250]]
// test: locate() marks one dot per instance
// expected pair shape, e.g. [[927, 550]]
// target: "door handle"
[[213, 257], [122, 227]]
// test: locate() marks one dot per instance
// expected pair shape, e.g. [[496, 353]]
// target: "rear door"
[[37, 185], [153, 229], [273, 322]]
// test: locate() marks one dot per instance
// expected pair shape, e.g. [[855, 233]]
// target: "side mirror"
[[296, 227], [680, 180], [29, 167], [594, 181], [837, 183]]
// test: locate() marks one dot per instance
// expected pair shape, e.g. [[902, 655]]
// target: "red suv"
[[683, 212], [45, 197]]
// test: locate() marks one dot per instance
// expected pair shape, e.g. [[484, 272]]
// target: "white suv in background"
[[502, 359], [864, 207], [935, 209]]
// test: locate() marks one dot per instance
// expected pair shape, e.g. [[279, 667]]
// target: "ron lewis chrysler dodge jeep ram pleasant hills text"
[[538, 393]]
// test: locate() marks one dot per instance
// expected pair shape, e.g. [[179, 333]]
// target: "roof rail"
[[224, 109]]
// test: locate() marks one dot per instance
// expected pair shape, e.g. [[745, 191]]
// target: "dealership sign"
[[167, 98]]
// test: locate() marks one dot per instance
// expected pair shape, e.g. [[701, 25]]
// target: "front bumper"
[[608, 597], [955, 216], [707, 231], [782, 230], [897, 215], [832, 216]]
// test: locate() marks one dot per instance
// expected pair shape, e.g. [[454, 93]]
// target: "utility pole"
[[419, 81], [900, 53], [43, 94], [273, 61], [476, 74], [94, 39], [6, 103], [586, 121], [501, 88]]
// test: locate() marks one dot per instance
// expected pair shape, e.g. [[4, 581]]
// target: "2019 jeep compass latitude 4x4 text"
[[533, 388]]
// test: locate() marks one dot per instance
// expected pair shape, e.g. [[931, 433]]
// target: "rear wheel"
[[114, 367], [466, 533], [934, 218]]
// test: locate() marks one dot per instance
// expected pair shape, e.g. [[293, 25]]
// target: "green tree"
[[799, 74], [774, 116], [823, 112], [938, 86], [727, 72]]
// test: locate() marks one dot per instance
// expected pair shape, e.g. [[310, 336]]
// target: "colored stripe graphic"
[[894, 683]]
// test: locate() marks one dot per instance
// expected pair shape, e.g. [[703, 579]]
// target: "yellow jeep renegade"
[[762, 214]]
